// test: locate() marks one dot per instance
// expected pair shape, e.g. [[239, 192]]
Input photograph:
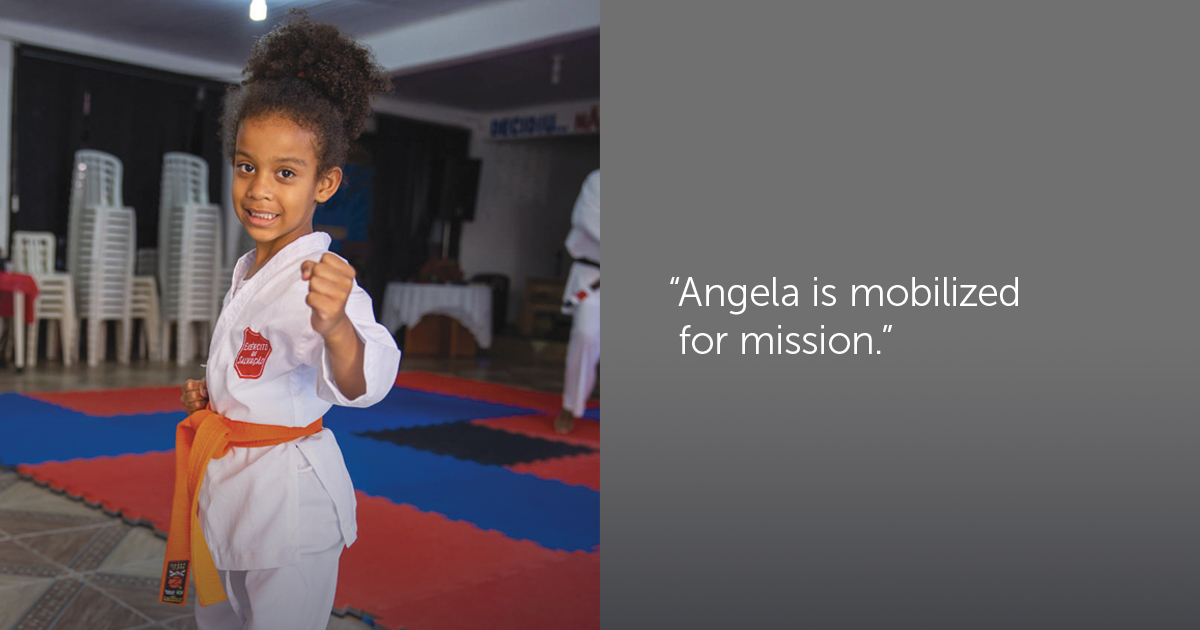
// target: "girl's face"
[[276, 186]]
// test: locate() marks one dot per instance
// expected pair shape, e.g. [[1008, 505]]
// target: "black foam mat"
[[472, 442]]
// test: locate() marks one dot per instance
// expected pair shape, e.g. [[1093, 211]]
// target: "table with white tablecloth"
[[405, 303]]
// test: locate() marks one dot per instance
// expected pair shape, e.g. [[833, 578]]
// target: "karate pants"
[[297, 596], [583, 355]]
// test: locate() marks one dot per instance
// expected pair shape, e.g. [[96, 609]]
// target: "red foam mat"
[[116, 402], [139, 486], [409, 569], [561, 595], [489, 392], [580, 470], [421, 570]]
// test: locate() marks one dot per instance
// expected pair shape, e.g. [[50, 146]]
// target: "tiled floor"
[[65, 565]]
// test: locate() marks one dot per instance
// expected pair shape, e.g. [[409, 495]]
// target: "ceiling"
[[511, 80], [216, 30], [476, 55]]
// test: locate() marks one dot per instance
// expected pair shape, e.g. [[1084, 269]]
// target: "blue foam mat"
[[35, 432], [548, 512], [412, 408]]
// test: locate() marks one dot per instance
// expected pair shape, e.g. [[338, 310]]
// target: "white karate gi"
[[583, 350], [276, 518]]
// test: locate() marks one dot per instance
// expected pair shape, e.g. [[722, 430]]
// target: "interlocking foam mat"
[[472, 512]]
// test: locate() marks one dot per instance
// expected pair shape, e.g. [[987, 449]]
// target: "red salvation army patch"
[[252, 357]]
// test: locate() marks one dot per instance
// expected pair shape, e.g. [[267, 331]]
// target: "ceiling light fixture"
[[258, 10]]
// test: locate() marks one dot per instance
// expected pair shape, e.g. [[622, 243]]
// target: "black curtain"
[[405, 154], [66, 102]]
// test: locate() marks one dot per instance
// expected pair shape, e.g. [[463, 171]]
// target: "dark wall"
[[405, 152], [66, 102]]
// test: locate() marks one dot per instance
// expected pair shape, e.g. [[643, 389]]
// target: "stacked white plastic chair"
[[95, 181], [145, 307], [104, 277], [189, 255], [33, 254], [100, 251], [224, 283]]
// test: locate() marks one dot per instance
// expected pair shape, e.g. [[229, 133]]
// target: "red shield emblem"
[[252, 357]]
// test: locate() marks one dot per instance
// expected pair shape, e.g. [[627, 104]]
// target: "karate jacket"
[[267, 365]]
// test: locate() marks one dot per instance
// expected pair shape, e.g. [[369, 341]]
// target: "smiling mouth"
[[260, 219]]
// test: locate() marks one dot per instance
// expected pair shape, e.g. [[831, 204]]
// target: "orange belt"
[[202, 437]]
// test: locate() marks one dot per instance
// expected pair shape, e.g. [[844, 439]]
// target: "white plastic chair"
[[146, 308], [189, 255], [96, 248], [184, 181], [95, 181], [33, 254], [104, 276], [193, 265], [146, 304], [224, 283]]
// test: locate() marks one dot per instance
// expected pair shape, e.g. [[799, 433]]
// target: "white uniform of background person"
[[276, 518], [583, 351]]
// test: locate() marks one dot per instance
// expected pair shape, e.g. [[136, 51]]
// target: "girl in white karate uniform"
[[296, 335]]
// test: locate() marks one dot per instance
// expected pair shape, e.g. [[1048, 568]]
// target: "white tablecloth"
[[404, 304]]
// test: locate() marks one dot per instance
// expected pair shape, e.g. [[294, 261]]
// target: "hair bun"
[[331, 63]]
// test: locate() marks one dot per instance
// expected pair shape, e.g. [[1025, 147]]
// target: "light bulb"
[[258, 10]]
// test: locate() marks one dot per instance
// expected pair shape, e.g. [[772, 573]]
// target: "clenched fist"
[[329, 285], [195, 395]]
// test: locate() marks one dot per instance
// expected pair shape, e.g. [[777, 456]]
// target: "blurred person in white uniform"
[[582, 299]]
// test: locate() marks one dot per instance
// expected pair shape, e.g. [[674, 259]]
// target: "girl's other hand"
[[195, 395]]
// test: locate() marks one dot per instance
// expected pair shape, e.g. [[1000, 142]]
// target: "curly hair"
[[313, 74]]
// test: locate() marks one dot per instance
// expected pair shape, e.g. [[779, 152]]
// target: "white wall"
[[436, 114], [527, 189]]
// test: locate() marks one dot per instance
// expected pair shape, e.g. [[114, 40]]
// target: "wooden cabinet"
[[439, 336], [543, 296]]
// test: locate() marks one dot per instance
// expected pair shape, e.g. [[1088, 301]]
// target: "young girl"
[[263, 502]]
